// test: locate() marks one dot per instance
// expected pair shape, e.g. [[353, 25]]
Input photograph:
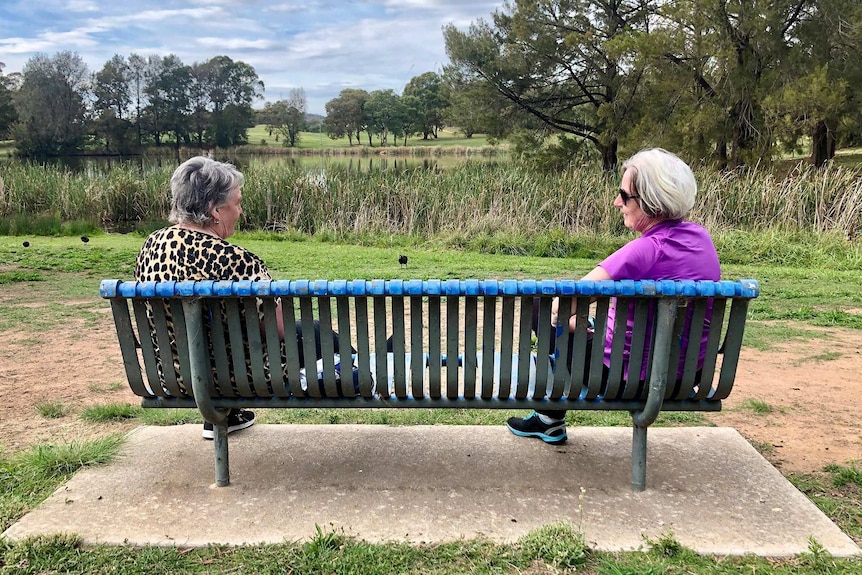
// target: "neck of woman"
[[198, 228]]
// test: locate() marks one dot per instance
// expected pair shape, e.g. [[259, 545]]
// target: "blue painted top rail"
[[745, 288]]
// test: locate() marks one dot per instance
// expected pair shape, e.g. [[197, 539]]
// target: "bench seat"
[[406, 334]]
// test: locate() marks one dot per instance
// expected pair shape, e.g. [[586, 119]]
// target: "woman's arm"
[[598, 273]]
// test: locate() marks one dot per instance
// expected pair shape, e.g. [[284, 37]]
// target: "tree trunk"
[[822, 144], [720, 154], [609, 155]]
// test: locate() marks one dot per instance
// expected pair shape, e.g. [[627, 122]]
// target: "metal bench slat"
[[489, 346], [452, 334], [327, 347], [291, 345], [697, 317], [577, 388], [435, 351], [507, 330], [128, 350], [363, 347], [256, 357], [615, 371], [342, 307], [382, 366], [399, 346], [597, 356], [165, 352], [417, 346], [732, 346], [309, 351], [148, 353], [545, 336], [705, 389], [525, 331], [470, 361], [644, 315]]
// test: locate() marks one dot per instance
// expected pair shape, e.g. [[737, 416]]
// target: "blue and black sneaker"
[[533, 426]]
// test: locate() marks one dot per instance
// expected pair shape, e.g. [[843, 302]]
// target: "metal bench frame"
[[470, 320]]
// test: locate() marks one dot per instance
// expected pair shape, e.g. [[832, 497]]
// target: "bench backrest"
[[451, 340]]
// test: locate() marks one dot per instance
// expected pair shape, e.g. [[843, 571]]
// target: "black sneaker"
[[237, 419], [532, 426]]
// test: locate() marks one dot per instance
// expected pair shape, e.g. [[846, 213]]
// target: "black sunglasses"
[[624, 195]]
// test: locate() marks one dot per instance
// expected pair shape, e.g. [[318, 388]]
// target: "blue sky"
[[321, 46]]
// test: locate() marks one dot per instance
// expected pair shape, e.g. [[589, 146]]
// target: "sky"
[[321, 46]]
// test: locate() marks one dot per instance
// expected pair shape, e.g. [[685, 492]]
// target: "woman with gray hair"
[[657, 192], [206, 204]]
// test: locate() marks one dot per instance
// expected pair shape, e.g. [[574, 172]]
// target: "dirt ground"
[[815, 396]]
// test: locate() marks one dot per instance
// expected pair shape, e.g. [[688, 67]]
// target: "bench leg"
[[639, 445], [222, 469]]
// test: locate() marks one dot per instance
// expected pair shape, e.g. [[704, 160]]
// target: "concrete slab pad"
[[706, 486]]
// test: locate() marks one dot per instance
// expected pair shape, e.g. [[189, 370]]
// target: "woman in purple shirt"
[[656, 194]]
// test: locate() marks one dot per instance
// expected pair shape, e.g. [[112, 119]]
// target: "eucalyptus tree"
[[387, 116], [51, 104], [428, 91], [345, 115], [168, 95], [137, 70], [112, 102], [287, 117], [474, 105], [294, 121], [8, 115], [568, 63], [232, 88]]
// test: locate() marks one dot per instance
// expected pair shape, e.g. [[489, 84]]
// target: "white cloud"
[[235, 44], [322, 46]]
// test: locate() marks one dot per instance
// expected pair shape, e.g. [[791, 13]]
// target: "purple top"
[[670, 250]]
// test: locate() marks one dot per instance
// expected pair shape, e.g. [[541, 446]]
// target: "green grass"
[[29, 477], [51, 409], [757, 406], [259, 136], [64, 269], [112, 412]]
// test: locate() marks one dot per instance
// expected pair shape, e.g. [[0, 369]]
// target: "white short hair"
[[664, 183], [198, 185]]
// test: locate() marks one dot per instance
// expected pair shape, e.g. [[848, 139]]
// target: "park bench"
[[451, 344]]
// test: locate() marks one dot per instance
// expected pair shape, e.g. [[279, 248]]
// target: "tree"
[[232, 88], [386, 115], [113, 99], [427, 89], [199, 102], [168, 95], [294, 118], [137, 69], [345, 115], [565, 62], [821, 102], [733, 53], [8, 115], [474, 106], [50, 104]]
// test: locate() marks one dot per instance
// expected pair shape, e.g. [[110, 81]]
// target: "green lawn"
[[260, 136], [64, 268]]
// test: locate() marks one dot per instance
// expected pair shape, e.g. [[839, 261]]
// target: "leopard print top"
[[178, 254]]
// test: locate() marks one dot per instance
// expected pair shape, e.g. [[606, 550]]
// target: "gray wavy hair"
[[665, 184], [197, 186]]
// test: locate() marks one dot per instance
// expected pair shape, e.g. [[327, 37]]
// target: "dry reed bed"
[[470, 198]]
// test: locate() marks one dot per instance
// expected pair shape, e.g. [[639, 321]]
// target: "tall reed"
[[469, 200]]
